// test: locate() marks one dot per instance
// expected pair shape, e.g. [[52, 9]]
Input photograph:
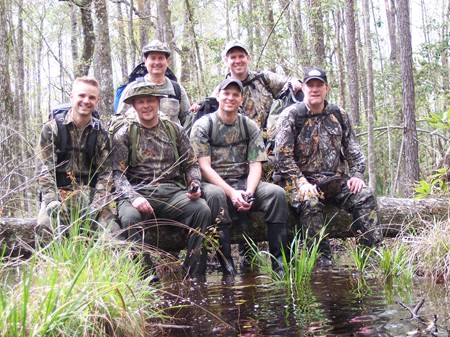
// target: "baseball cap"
[[142, 89], [235, 44], [156, 45], [228, 81], [315, 73]]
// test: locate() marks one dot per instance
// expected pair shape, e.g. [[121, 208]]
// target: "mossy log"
[[395, 214]]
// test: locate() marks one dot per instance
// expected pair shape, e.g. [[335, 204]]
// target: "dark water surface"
[[335, 303]]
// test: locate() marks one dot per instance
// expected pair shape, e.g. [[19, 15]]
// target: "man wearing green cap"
[[157, 184], [174, 106]]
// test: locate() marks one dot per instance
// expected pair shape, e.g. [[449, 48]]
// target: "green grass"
[[82, 284], [298, 261], [360, 256], [394, 264]]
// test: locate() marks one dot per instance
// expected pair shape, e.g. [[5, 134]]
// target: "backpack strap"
[[301, 115], [133, 139], [259, 77], [177, 90], [170, 128], [63, 148]]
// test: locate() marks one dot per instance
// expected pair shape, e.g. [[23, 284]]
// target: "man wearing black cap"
[[156, 56], [230, 160], [314, 144]]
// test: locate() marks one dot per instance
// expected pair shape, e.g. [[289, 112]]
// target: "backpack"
[[140, 71], [64, 147], [133, 135], [285, 98]]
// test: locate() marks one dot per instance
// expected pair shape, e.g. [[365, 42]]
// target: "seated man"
[[315, 141], [230, 149], [152, 184], [74, 164]]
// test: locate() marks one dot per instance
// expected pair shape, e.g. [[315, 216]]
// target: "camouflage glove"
[[53, 207], [330, 186]]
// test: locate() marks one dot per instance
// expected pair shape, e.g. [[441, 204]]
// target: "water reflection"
[[333, 304]]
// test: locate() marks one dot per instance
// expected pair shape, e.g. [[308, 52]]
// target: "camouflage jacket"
[[77, 167], [169, 107], [317, 146], [230, 151], [156, 160], [259, 94]]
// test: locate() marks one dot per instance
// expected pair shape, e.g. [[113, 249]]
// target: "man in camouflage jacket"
[[231, 167], [260, 93], [311, 156], [156, 56], [156, 186], [78, 183]]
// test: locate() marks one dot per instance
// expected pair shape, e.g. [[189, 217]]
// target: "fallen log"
[[396, 215]]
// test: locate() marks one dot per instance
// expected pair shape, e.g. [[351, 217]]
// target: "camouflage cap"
[[157, 46], [142, 89], [235, 44]]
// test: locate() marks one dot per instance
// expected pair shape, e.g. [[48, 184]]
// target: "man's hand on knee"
[[142, 205]]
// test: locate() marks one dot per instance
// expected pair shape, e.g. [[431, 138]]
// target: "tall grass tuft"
[[298, 261], [429, 250], [360, 256], [82, 284], [395, 266]]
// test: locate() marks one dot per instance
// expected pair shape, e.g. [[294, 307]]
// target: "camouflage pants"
[[269, 199], [75, 206], [363, 208], [171, 202]]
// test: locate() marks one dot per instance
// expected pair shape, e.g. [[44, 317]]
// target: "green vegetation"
[[82, 284]]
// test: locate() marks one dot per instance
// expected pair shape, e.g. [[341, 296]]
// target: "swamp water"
[[335, 303]]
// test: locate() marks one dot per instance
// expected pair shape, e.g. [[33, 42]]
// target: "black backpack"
[[140, 71], [64, 146]]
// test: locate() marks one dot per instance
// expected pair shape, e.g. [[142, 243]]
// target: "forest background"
[[387, 62]]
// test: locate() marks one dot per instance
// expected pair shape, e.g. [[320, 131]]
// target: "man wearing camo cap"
[[156, 185], [156, 56], [314, 145]]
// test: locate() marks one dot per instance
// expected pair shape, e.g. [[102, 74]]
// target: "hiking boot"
[[325, 262], [228, 268]]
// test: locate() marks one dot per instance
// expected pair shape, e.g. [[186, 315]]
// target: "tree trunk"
[[396, 216], [352, 62], [370, 96], [87, 26], [103, 63], [122, 46], [411, 151], [7, 203], [317, 34]]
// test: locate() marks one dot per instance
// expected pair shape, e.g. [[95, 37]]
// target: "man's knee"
[[127, 214]]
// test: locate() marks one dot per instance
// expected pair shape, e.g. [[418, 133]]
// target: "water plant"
[[298, 260], [81, 284], [360, 256], [394, 263]]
